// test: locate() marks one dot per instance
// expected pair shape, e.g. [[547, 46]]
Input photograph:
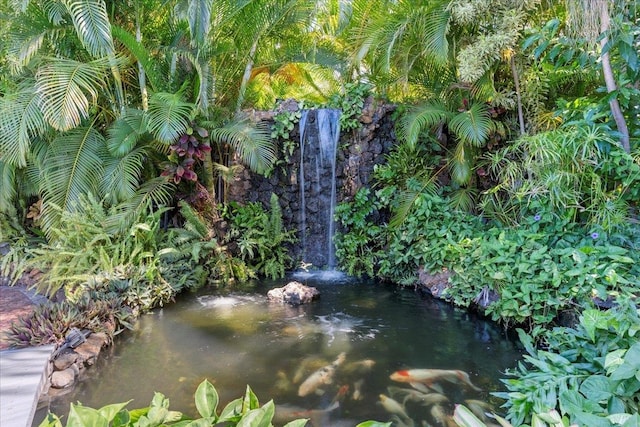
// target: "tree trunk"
[[247, 74], [610, 81], [142, 78], [516, 80]]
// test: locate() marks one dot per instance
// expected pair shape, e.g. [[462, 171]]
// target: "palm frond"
[[67, 90], [7, 186], [433, 25], [421, 118], [463, 199], [73, 168], [199, 18], [251, 141], [141, 54], [91, 21], [472, 126], [56, 11], [154, 193], [20, 121], [460, 164], [27, 37], [407, 198], [168, 116], [124, 133], [122, 175]]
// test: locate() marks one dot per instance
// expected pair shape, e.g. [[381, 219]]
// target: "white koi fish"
[[431, 376], [393, 407], [425, 399], [320, 377]]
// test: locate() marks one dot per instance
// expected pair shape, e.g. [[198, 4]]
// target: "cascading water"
[[319, 135]]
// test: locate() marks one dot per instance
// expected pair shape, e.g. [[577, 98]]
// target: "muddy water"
[[237, 338]]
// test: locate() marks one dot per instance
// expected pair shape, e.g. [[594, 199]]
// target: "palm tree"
[[591, 19]]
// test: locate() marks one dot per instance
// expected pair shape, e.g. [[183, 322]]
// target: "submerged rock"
[[294, 293]]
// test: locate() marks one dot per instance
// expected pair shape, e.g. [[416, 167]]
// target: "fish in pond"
[[320, 377], [393, 407], [407, 394], [431, 376]]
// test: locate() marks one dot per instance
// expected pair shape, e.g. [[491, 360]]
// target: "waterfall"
[[319, 136]]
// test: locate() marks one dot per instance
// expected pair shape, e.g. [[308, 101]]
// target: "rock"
[[65, 360], [62, 379], [294, 293], [435, 283], [89, 350]]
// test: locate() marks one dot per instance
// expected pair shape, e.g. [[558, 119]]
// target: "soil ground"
[[15, 301]]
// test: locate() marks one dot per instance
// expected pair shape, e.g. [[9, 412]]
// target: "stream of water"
[[238, 338]]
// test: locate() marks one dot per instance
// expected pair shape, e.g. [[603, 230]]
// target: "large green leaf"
[[168, 116], [20, 121], [67, 90], [252, 142], [91, 21], [74, 165], [206, 399]]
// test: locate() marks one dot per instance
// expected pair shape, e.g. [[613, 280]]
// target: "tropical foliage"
[[516, 171]]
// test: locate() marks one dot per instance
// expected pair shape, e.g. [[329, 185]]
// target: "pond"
[[365, 330]]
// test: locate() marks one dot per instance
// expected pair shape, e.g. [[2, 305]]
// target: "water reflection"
[[353, 338]]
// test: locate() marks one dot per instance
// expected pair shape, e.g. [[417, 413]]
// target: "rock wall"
[[358, 152]]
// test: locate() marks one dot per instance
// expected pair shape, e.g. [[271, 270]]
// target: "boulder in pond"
[[294, 293]]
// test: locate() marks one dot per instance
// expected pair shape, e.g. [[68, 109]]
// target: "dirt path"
[[15, 301]]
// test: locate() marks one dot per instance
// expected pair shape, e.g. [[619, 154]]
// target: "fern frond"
[[193, 220]]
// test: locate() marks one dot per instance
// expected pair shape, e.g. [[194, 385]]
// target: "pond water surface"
[[236, 338]]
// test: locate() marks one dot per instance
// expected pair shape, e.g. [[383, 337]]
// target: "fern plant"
[[261, 237]]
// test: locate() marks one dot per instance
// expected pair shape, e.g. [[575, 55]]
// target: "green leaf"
[[232, 410], [82, 416], [260, 417], [591, 320], [124, 133], [591, 420], [302, 423], [596, 388], [110, 411], [206, 399]]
